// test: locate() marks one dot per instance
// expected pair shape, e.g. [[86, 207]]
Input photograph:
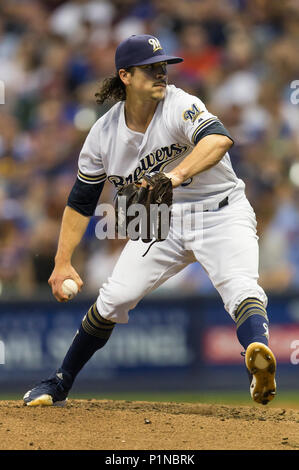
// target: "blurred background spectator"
[[240, 59]]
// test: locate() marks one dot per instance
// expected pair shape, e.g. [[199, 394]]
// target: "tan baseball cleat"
[[261, 364], [50, 392]]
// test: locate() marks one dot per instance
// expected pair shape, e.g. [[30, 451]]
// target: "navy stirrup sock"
[[92, 335], [252, 322]]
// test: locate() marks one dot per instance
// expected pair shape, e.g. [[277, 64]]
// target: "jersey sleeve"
[[193, 120], [84, 197], [90, 165]]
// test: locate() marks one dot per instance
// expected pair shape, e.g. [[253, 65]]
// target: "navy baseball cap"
[[141, 49]]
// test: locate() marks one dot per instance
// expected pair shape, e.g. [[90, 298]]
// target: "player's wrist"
[[176, 177], [62, 260]]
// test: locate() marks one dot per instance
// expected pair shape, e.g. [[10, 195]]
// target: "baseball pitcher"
[[159, 144]]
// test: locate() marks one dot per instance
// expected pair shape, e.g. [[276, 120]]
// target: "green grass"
[[232, 398], [187, 397], [284, 398]]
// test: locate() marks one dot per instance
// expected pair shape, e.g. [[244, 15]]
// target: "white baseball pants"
[[223, 241]]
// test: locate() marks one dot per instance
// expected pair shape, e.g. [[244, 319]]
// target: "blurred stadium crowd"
[[241, 57]]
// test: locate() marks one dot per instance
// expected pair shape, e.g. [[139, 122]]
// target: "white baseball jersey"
[[226, 243], [113, 151]]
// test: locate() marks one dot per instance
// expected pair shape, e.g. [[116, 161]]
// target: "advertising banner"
[[179, 343]]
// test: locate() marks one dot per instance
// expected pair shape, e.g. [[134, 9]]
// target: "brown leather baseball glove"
[[145, 212]]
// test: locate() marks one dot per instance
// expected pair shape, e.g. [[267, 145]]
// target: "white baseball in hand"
[[70, 288]]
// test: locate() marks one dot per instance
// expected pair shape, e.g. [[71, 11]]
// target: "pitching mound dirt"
[[124, 425]]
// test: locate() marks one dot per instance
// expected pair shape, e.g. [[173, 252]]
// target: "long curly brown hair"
[[112, 88]]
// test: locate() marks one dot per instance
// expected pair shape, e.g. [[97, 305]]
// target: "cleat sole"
[[261, 363], [45, 400]]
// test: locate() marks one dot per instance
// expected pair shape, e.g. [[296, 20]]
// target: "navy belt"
[[221, 204]]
